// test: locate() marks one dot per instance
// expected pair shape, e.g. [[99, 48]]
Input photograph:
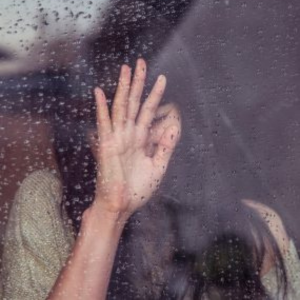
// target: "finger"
[[165, 149], [103, 120], [159, 129], [166, 115], [149, 108], [120, 103], [165, 110], [136, 89]]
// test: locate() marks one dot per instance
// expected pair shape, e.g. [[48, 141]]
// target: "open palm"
[[127, 174]]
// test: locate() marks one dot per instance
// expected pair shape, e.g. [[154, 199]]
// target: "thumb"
[[165, 149]]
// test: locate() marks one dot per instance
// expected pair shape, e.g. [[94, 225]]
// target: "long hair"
[[228, 264]]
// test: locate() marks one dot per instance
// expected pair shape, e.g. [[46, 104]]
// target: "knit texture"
[[37, 240]]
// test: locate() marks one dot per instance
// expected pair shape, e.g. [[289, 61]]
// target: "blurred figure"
[[232, 69], [46, 258]]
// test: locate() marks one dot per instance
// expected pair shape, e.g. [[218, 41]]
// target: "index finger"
[[104, 126]]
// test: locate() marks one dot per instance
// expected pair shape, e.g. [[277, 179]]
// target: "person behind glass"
[[131, 149]]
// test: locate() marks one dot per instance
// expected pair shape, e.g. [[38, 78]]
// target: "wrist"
[[96, 218]]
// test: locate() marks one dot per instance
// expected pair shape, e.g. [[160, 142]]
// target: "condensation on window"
[[223, 222]]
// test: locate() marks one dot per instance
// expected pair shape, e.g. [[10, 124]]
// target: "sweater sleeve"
[[37, 242]]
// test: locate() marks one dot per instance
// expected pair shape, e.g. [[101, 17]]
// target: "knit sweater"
[[39, 239]]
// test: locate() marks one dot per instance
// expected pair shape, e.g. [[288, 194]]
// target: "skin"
[[132, 150]]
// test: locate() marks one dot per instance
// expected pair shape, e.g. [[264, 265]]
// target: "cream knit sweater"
[[37, 241]]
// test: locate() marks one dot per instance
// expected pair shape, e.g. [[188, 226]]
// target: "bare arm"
[[127, 177], [87, 272]]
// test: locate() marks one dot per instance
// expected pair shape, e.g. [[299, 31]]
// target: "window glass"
[[222, 223]]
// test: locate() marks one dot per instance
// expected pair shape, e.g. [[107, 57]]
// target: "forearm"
[[88, 269]]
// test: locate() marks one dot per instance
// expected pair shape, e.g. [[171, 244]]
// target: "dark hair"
[[229, 263], [227, 267]]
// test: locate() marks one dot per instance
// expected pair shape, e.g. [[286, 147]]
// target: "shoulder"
[[273, 221], [36, 210], [36, 243], [40, 184], [38, 200], [276, 227]]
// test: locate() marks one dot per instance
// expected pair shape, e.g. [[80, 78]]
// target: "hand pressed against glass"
[[127, 177], [127, 174]]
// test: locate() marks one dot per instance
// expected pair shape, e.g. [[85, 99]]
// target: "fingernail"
[[161, 78], [125, 68], [97, 90], [141, 63]]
